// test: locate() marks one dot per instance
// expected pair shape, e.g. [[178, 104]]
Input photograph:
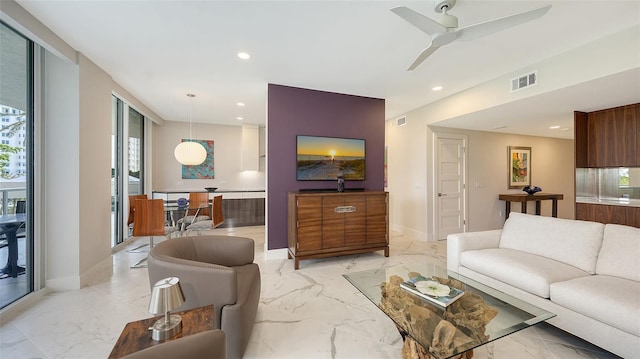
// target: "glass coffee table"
[[480, 316]]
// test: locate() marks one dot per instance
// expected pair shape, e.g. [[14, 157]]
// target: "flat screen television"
[[326, 158]]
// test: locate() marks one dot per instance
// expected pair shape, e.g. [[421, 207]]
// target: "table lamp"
[[166, 295]]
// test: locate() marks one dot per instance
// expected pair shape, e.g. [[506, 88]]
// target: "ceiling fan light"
[[190, 153]]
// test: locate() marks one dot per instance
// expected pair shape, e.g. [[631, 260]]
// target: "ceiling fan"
[[446, 30]]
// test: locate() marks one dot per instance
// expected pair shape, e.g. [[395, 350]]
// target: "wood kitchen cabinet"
[[608, 138], [330, 224], [603, 213]]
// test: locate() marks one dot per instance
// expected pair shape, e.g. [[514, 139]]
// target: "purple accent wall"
[[294, 111]]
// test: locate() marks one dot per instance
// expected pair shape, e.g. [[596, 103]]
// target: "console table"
[[136, 335], [523, 198]]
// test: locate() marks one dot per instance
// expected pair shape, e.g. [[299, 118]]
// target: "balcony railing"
[[9, 198]]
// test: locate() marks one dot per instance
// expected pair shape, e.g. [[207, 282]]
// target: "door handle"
[[441, 194]]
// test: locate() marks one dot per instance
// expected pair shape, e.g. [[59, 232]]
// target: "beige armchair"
[[210, 345], [216, 270]]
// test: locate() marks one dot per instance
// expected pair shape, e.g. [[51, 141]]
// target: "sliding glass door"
[[16, 166], [127, 164]]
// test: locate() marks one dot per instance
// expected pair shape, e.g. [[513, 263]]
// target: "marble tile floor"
[[309, 313]]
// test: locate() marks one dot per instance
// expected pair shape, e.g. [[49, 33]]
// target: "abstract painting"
[[203, 170], [519, 166]]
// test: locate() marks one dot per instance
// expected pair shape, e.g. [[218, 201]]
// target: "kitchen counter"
[[241, 207], [628, 202]]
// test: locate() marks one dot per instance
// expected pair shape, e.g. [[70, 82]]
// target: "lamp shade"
[[166, 295], [190, 153]]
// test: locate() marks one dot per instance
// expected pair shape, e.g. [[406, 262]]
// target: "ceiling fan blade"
[[425, 24], [485, 28], [423, 56]]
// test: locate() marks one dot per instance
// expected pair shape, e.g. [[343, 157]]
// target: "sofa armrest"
[[460, 242]]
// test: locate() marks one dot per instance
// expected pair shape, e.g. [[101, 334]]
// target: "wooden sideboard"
[[330, 224]]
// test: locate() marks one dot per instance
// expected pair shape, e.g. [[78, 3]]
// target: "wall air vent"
[[401, 121], [524, 81]]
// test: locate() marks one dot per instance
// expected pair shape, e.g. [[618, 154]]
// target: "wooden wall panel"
[[581, 139]]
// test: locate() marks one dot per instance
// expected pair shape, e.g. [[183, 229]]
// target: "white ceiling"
[[162, 50]]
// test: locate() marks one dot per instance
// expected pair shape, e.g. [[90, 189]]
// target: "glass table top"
[[480, 316]]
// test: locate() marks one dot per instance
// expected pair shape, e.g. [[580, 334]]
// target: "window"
[[16, 174]]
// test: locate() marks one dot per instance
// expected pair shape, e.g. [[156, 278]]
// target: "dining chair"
[[132, 199], [198, 209], [130, 220], [21, 207], [216, 221], [149, 221]]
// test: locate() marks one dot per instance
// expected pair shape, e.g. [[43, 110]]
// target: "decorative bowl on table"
[[531, 190], [211, 189]]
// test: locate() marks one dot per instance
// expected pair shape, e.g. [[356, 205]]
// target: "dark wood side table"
[[523, 198], [136, 335]]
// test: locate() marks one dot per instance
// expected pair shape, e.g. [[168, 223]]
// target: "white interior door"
[[450, 185]]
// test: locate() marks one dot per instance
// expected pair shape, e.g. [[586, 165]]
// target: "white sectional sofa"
[[587, 273]]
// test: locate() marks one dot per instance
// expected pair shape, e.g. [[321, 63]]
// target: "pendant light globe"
[[188, 152]]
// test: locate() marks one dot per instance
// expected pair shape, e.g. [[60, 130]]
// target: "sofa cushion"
[[620, 253], [529, 272], [611, 300], [576, 243]]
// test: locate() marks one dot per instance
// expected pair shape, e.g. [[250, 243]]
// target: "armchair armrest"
[[460, 242], [202, 283]]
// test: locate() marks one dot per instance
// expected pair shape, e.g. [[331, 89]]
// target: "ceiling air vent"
[[524, 81], [401, 121]]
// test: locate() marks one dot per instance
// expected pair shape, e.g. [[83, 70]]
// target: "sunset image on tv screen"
[[326, 158]]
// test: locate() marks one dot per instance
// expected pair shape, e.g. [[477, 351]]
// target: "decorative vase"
[[340, 184]]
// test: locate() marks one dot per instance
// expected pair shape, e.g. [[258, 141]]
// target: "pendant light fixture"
[[188, 152]]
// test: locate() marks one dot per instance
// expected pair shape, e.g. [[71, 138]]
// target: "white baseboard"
[[63, 284], [410, 232], [280, 253], [11, 311]]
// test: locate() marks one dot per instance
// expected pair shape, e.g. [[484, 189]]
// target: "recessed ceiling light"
[[239, 118], [240, 104], [565, 129], [437, 88], [244, 55], [554, 127]]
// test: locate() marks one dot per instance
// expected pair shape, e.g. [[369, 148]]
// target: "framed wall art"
[[203, 170], [519, 166]]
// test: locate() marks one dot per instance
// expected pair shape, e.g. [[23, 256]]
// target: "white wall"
[[62, 168], [410, 152], [95, 164], [167, 172], [76, 168], [411, 187]]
